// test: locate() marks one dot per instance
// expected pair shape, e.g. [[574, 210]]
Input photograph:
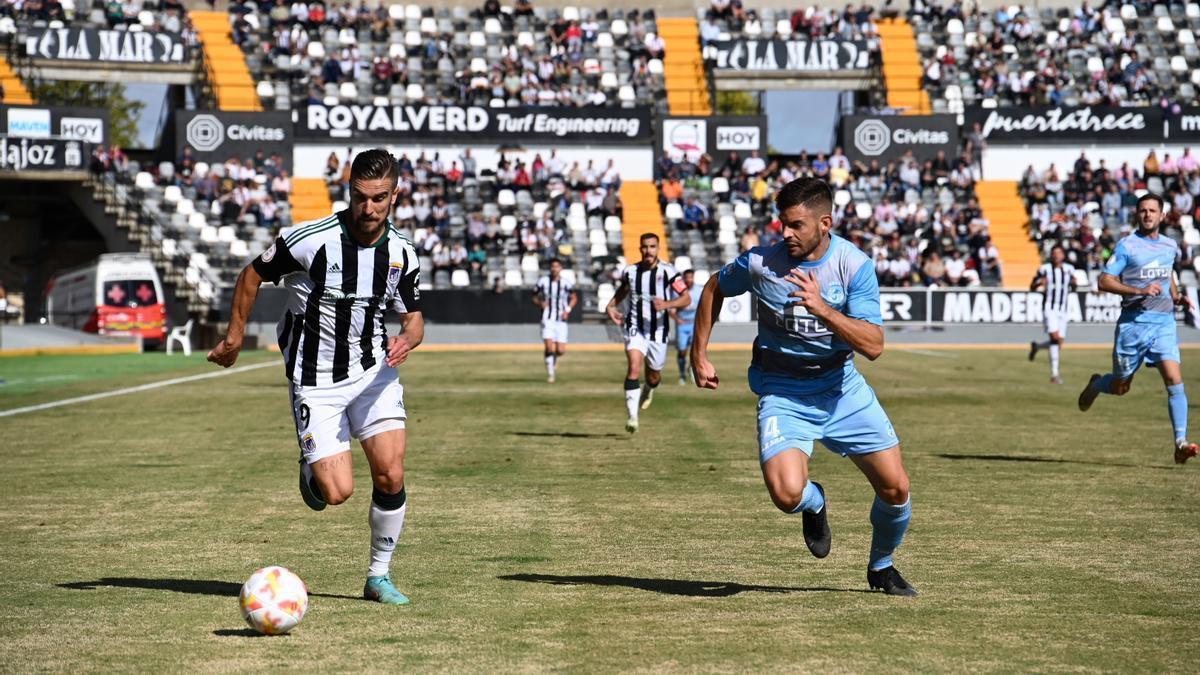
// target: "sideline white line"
[[133, 390], [926, 352]]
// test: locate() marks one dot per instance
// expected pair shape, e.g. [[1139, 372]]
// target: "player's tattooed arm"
[[226, 352]]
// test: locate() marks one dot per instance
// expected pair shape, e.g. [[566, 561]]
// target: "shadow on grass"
[[564, 434], [695, 589], [1048, 460], [192, 586], [242, 632]]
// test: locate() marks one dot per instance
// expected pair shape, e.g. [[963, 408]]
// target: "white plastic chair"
[[182, 335]]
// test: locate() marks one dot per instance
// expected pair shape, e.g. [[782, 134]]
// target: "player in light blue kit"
[[1140, 266], [685, 323], [818, 304]]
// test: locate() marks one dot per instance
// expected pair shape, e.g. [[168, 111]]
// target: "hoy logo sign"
[[87, 129], [739, 138]]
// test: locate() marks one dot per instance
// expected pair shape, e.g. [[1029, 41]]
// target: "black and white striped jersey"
[[339, 290], [1058, 286], [645, 284], [557, 295]]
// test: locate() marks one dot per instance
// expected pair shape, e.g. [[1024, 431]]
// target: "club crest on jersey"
[[394, 273], [308, 443], [834, 294]]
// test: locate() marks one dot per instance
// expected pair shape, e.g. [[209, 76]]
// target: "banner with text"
[[106, 46], [25, 157], [888, 137], [437, 123], [715, 136], [215, 136], [89, 125], [986, 305], [789, 56], [1063, 124]]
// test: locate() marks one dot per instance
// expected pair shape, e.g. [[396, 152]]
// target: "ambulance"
[[117, 294]]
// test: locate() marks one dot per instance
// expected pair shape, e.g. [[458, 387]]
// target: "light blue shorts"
[[683, 336], [848, 420], [1141, 342]]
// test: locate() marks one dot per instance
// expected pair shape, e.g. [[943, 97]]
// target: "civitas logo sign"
[[205, 133], [872, 137]]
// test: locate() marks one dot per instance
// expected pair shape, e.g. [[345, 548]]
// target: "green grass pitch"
[[541, 537]]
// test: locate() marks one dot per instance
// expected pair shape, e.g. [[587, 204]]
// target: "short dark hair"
[[375, 164], [1150, 196], [554, 260], [811, 193], [647, 235], [689, 271], [1059, 247]]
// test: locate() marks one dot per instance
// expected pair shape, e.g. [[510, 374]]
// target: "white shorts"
[[554, 330], [328, 416], [655, 352], [1056, 322]]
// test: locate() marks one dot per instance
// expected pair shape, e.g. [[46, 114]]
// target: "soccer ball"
[[273, 600]]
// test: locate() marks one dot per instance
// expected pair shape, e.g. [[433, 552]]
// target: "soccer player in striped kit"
[[557, 298], [343, 272], [653, 287], [1056, 280]]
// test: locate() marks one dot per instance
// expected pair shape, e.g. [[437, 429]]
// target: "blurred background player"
[[818, 301], [557, 298], [343, 272], [653, 287], [1140, 264], [685, 323], [1056, 280]]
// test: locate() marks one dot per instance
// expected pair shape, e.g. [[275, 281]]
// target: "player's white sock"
[[1054, 359], [632, 398], [550, 359], [387, 520]]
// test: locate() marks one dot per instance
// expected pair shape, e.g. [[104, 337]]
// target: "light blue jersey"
[[689, 313], [686, 327], [794, 352], [804, 374], [1140, 261]]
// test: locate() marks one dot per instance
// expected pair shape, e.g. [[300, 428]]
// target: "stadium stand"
[[921, 224], [409, 54], [1114, 55], [684, 73], [12, 89], [227, 72], [902, 68], [1089, 206]]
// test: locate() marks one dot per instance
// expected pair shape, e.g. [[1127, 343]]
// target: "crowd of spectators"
[[147, 15], [453, 210], [1089, 54], [1088, 206], [542, 58], [919, 221]]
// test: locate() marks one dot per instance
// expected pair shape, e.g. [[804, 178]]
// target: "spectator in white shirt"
[[753, 165]]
